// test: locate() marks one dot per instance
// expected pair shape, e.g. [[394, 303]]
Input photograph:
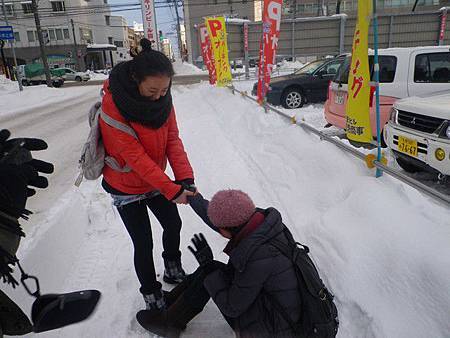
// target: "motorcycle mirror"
[[54, 311]]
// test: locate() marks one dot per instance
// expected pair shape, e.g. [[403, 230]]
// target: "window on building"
[[244, 1], [9, 9], [432, 68], [59, 34], [86, 35], [110, 40], [58, 6], [108, 20], [30, 36], [66, 33], [27, 8], [118, 43], [51, 34], [105, 2], [17, 36]]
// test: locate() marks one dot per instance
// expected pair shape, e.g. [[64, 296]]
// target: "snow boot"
[[156, 322], [173, 272], [155, 301]]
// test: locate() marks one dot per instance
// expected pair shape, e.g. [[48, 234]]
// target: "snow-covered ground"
[[381, 246]]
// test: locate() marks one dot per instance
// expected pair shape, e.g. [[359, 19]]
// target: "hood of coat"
[[270, 228]]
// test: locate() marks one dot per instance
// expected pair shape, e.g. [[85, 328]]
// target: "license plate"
[[339, 98], [407, 146]]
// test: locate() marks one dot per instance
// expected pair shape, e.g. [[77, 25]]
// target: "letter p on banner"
[[218, 36]]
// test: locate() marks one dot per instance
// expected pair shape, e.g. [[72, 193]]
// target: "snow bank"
[[185, 68], [290, 65], [13, 102], [381, 246]]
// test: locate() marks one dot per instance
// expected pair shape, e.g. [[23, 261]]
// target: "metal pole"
[[180, 45], [376, 68], [41, 43], [342, 33], [75, 47], [16, 73], [391, 30]]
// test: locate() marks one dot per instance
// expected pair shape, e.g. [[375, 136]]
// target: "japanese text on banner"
[[357, 110], [268, 45], [218, 36], [148, 15], [208, 59]]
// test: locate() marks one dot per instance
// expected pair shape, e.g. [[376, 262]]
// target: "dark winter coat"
[[257, 269]]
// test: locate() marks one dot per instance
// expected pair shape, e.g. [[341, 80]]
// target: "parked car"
[[34, 74], [72, 75], [403, 72], [308, 84], [418, 133]]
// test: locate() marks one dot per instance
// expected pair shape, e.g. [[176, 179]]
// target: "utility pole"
[[75, 47], [180, 44], [41, 43], [11, 44]]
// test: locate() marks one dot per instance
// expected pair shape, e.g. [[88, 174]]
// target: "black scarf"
[[133, 106]]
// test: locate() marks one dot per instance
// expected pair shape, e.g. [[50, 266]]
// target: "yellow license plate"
[[407, 146]]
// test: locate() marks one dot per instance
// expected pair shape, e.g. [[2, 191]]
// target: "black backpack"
[[319, 316]]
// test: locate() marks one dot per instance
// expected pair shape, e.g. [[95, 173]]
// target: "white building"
[[91, 21]]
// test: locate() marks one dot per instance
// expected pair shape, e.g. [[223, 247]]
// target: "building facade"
[[77, 33], [195, 11]]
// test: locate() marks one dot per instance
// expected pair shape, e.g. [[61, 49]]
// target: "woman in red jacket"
[[138, 94]]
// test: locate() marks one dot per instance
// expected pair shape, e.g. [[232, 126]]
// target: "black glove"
[[187, 184], [202, 251], [19, 170]]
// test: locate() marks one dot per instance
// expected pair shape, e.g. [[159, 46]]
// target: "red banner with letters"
[[442, 27], [208, 58], [246, 37], [268, 45]]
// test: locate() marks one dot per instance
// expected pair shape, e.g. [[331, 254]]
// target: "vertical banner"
[[269, 44], [245, 38], [205, 44], [357, 109], [442, 26], [149, 21], [218, 36]]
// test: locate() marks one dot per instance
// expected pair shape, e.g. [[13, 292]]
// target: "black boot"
[[155, 301], [173, 272]]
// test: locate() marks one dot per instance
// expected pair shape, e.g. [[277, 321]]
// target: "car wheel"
[[293, 98], [57, 84], [25, 83], [408, 166], [78, 79]]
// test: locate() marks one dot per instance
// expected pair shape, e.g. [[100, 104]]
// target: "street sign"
[[6, 33]]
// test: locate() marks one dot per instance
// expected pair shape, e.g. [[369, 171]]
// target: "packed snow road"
[[381, 247]]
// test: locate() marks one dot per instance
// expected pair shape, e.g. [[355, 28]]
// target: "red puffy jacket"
[[147, 157]]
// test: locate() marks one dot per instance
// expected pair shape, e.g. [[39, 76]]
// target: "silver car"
[[71, 75]]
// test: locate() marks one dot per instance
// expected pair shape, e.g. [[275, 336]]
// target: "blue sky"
[[165, 18]]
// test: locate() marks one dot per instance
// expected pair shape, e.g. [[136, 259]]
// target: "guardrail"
[[437, 195]]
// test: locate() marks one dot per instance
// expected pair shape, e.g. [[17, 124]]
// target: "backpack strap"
[[117, 124], [111, 161]]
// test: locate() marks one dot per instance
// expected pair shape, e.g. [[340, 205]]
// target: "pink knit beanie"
[[230, 208]]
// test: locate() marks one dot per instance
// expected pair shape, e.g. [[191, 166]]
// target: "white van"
[[419, 133]]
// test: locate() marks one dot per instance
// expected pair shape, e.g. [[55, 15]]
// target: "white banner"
[[149, 21]]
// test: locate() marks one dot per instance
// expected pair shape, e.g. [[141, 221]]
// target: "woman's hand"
[[182, 199]]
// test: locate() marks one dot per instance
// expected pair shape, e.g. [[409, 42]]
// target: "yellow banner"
[[357, 110], [218, 34]]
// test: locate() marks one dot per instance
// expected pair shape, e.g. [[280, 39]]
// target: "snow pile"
[[185, 68], [97, 76], [6, 85], [291, 65], [14, 102], [381, 246]]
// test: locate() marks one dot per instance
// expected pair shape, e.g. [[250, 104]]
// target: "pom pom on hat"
[[230, 208]]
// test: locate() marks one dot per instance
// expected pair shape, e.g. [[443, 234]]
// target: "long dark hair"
[[150, 62]]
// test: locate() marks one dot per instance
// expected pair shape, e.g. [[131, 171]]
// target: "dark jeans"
[[189, 298], [136, 220]]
